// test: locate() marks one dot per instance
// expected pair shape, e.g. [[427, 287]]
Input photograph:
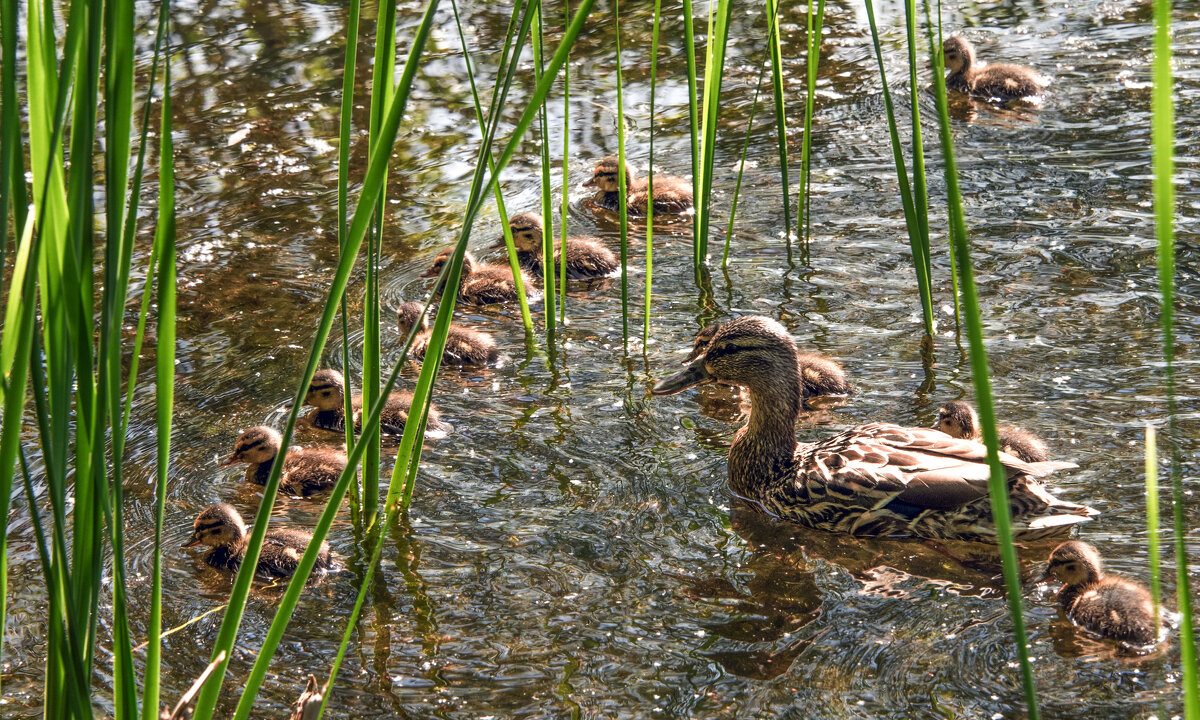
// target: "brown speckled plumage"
[[958, 419], [587, 258], [222, 529], [306, 471], [480, 283], [325, 395], [875, 479], [818, 374], [1107, 605], [993, 80], [671, 196], [464, 346]]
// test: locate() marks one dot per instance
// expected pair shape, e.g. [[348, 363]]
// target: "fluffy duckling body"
[[958, 419], [221, 528], [992, 80], [819, 375], [875, 479], [463, 345], [326, 396], [306, 471], [587, 258], [1107, 605], [672, 195], [481, 283]]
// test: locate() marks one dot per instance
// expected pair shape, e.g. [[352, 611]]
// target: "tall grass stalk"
[[998, 482], [912, 215], [689, 46], [714, 70], [622, 190], [812, 59], [650, 187], [566, 178], [1163, 139], [548, 279], [1153, 526], [780, 117]]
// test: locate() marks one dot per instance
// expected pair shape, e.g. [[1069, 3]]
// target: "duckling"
[[992, 80], [306, 471], [481, 283], [1107, 605], [958, 419], [672, 195], [819, 375], [463, 345], [870, 480], [325, 395], [221, 527], [587, 258]]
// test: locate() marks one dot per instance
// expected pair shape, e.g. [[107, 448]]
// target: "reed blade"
[[775, 43], [812, 60]]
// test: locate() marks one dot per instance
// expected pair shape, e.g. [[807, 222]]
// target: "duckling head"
[[257, 445], [443, 257], [527, 232], [703, 338], [218, 525], [753, 351], [411, 314], [958, 53], [958, 419], [325, 392], [605, 178], [1075, 563]]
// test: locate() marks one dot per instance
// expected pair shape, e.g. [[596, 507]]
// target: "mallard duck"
[[325, 395], [221, 527], [463, 345], [672, 195], [587, 258], [1107, 605], [993, 80], [958, 419], [481, 283], [306, 471], [819, 375], [875, 479]]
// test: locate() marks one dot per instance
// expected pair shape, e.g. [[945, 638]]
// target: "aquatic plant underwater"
[[70, 349]]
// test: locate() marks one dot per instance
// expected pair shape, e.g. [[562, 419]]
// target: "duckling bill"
[[222, 529], [1107, 605]]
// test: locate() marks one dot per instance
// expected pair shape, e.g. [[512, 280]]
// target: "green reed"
[[650, 186], [622, 190], [780, 117], [548, 279], [998, 482], [564, 205], [714, 71], [689, 44], [814, 24], [1163, 141], [915, 218], [1153, 526]]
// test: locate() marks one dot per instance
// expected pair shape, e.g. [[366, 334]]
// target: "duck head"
[[325, 392], [256, 445], [218, 525], [526, 233], [410, 315], [606, 179], [958, 54], [1075, 563], [753, 351], [443, 257], [958, 419]]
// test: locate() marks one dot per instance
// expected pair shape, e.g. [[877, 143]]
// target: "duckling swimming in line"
[[221, 527], [870, 480], [480, 283], [958, 419], [991, 80], [463, 345], [306, 471], [1107, 605], [672, 195], [818, 374], [587, 258], [326, 396]]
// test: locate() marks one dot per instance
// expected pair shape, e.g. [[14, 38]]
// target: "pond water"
[[573, 550]]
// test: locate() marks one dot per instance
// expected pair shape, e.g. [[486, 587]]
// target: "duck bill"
[[232, 459], [499, 244], [429, 273], [691, 376], [193, 541], [590, 183]]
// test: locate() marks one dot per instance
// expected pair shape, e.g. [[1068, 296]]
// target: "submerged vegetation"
[[69, 360]]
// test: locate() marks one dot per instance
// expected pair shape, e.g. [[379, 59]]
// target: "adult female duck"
[[876, 479]]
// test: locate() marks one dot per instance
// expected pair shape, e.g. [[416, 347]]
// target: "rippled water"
[[572, 550]]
